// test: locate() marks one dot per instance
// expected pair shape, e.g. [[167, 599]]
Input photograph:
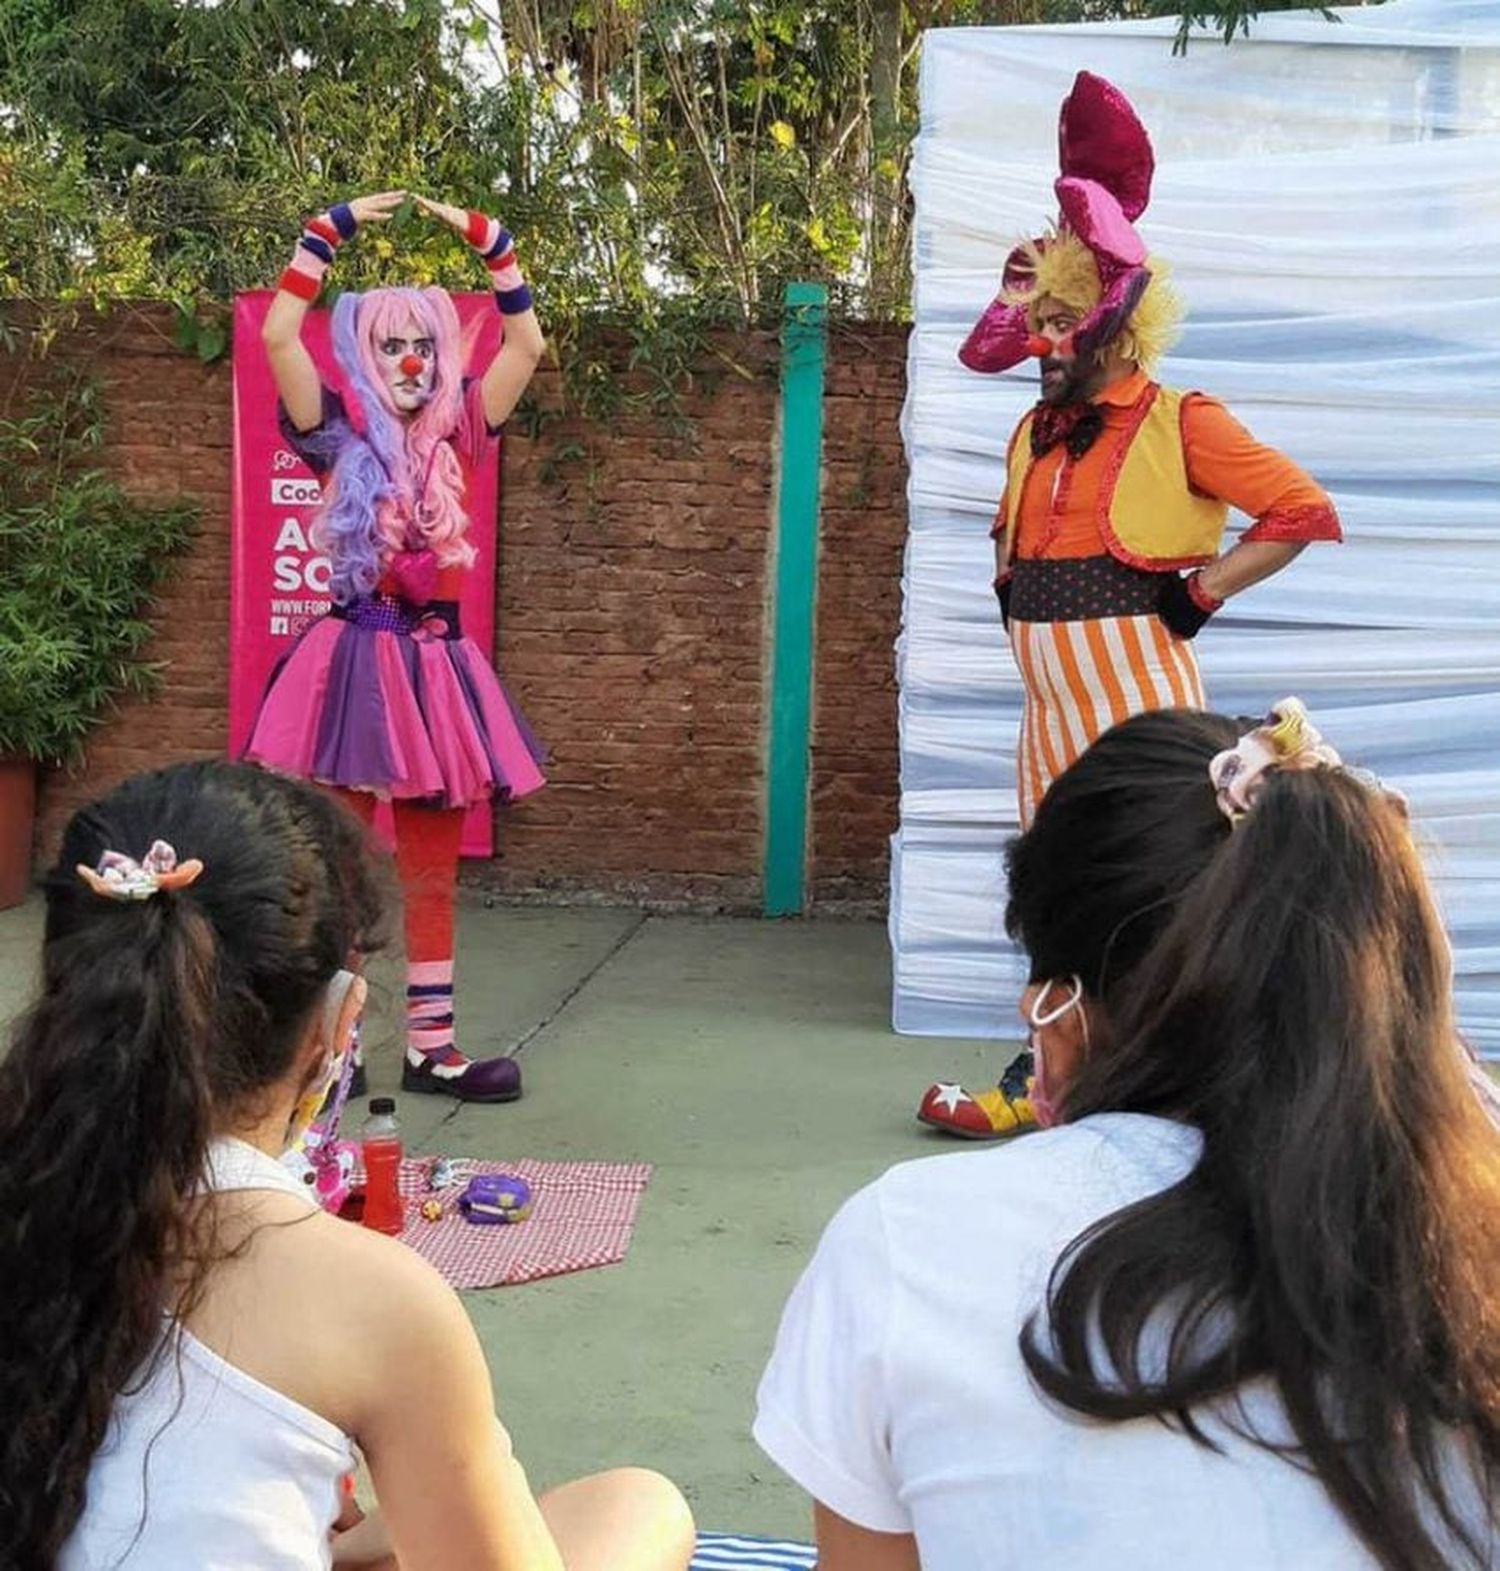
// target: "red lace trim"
[[1200, 596], [1309, 521]]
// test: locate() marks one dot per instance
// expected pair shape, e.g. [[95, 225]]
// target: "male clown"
[[1108, 538]]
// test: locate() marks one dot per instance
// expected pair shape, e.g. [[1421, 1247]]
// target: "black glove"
[[1180, 611], [1002, 594]]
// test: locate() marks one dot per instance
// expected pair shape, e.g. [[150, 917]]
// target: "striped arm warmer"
[[321, 237], [495, 245]]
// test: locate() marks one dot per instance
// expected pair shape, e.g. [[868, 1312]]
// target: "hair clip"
[[1285, 739], [120, 877], [1372, 782]]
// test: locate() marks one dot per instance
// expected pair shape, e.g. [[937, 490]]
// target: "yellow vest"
[[1149, 515]]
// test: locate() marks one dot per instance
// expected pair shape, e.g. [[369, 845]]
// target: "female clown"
[[384, 697]]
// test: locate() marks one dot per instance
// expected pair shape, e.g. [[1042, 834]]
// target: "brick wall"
[[862, 536], [169, 435], [632, 582], [632, 632]]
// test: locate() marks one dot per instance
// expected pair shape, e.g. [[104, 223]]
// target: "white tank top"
[[205, 1468]]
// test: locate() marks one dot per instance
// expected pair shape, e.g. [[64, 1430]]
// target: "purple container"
[[496, 1198]]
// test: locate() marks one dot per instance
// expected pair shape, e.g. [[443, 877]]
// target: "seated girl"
[[190, 1351], [1237, 1305]]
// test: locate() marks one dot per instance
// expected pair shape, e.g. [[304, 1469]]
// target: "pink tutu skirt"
[[379, 696]]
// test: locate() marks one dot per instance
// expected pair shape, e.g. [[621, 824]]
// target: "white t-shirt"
[[896, 1394]]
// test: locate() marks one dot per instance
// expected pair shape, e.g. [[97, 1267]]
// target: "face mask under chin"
[[1046, 1097]]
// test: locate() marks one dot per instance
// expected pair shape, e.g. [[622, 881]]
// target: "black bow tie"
[[1076, 425]]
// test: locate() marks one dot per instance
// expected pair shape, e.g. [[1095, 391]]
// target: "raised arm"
[[521, 343], [296, 376]]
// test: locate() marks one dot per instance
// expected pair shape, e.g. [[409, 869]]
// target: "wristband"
[[498, 250], [321, 237], [1199, 595], [1183, 605]]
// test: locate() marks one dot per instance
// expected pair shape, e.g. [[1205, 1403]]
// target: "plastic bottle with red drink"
[[380, 1141]]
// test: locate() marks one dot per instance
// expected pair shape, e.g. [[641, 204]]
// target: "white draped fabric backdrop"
[[1329, 198]]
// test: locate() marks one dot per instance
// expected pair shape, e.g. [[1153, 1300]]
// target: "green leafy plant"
[[201, 331], [1230, 18], [665, 165], [80, 562]]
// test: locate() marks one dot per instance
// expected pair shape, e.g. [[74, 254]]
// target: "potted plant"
[[79, 564]]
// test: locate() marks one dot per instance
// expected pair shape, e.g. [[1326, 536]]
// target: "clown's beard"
[[1076, 380]]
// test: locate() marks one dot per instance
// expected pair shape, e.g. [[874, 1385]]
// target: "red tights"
[[427, 842]]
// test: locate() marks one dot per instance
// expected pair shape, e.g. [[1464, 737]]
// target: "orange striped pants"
[[1081, 678]]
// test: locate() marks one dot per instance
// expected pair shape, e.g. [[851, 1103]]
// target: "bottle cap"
[[382, 1104]]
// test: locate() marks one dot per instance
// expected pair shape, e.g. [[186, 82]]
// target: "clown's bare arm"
[[511, 370], [521, 343], [296, 376], [1247, 563]]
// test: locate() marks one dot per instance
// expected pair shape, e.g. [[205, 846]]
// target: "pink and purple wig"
[[397, 484]]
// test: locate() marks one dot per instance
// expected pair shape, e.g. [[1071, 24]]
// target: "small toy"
[[327, 1168], [496, 1197], [443, 1174], [432, 1210]]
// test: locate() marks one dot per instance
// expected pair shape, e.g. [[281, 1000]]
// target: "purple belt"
[[382, 613]]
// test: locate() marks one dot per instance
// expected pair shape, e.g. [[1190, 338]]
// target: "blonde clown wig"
[[1063, 268]]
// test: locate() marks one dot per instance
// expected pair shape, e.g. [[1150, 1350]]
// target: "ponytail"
[[104, 1115], [155, 1018], [1340, 1235]]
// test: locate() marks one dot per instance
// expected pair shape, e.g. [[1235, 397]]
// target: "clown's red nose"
[[412, 365]]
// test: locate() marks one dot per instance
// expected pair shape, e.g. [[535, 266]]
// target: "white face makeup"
[[408, 365]]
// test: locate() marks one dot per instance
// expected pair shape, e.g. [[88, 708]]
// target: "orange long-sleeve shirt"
[[1059, 514]]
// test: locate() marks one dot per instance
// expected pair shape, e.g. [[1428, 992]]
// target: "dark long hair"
[[1340, 1236], [156, 1021]]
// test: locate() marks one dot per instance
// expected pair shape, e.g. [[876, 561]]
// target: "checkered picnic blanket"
[[582, 1215], [731, 1552]]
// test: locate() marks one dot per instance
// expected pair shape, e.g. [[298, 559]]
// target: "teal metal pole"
[[803, 353]]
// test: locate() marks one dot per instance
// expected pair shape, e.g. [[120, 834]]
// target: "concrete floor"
[[753, 1064]]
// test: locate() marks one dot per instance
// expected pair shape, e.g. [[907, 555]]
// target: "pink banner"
[[278, 584]]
